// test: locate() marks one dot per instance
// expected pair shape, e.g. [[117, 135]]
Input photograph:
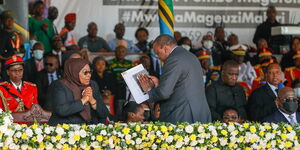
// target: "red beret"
[[14, 60], [70, 17]]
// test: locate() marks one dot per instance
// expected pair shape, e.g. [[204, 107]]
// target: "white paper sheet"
[[130, 77]]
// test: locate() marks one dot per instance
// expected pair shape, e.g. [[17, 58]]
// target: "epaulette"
[[290, 68], [2, 83], [29, 83], [257, 66]]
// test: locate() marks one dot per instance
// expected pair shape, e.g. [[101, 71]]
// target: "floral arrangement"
[[148, 136]]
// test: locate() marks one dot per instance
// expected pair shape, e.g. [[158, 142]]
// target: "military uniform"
[[291, 74], [15, 101]]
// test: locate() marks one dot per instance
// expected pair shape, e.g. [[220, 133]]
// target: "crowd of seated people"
[[239, 87]]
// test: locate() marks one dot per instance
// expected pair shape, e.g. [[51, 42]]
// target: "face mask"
[[291, 106], [38, 54], [32, 42], [153, 53], [297, 92], [186, 47], [208, 44]]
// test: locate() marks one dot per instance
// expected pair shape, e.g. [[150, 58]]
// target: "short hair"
[[180, 41], [118, 25], [131, 106], [292, 41], [98, 58], [165, 39], [268, 67], [91, 23], [144, 57], [218, 27], [141, 29], [229, 108], [37, 3], [230, 63], [271, 7], [38, 43], [296, 81]]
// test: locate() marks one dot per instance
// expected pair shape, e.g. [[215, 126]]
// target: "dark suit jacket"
[[277, 117], [30, 70], [261, 103], [221, 96], [66, 110], [181, 90], [42, 83]]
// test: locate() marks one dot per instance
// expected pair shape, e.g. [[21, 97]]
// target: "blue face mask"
[[153, 53]]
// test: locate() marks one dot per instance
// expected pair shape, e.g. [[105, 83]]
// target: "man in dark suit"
[[181, 88], [46, 77], [261, 102], [287, 105], [226, 92]]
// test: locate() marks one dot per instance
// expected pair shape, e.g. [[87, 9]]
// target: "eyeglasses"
[[87, 72], [17, 70], [49, 64], [230, 117], [291, 99]]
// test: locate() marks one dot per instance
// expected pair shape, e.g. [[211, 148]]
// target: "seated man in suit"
[[287, 105], [261, 102], [16, 95], [47, 76], [226, 92]]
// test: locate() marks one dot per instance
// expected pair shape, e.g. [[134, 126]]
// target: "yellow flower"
[[152, 137], [230, 145], [224, 132], [106, 141], [65, 147], [231, 123], [180, 138], [289, 128], [163, 129], [65, 126], [283, 136], [268, 145], [155, 128], [193, 137], [128, 142], [149, 128], [216, 149], [144, 145], [188, 148], [248, 148], [143, 137], [117, 125], [126, 131], [170, 128], [41, 145], [288, 144], [214, 139], [76, 137], [241, 138], [47, 137], [24, 136], [137, 128], [158, 140], [98, 148], [16, 140], [34, 126], [23, 125], [236, 131], [33, 139], [295, 137], [252, 129], [253, 140], [166, 134], [99, 138], [274, 131], [165, 145], [246, 125], [267, 127], [144, 132], [84, 126], [261, 133], [58, 137]]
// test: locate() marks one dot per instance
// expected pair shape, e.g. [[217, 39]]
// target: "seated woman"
[[76, 99], [133, 112]]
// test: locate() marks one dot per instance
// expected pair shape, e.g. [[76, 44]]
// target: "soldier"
[[16, 95], [293, 73]]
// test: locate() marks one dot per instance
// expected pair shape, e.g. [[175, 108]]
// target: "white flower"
[[60, 131], [103, 132], [7, 120], [154, 146], [94, 145], [18, 134], [38, 131], [201, 141], [53, 139], [49, 146], [193, 143], [39, 138], [83, 145], [178, 144], [169, 139], [189, 129], [138, 141], [71, 140], [231, 128], [28, 132], [211, 128], [47, 130], [186, 139], [223, 141], [58, 146], [134, 134], [82, 133], [24, 146], [200, 129], [128, 137], [63, 141]]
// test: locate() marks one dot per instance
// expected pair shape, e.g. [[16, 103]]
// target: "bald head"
[[163, 46], [287, 101], [286, 92]]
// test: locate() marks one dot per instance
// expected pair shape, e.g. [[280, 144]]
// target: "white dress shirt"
[[273, 88], [287, 116]]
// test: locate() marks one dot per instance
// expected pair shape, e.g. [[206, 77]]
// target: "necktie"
[[51, 79], [276, 90], [39, 66], [18, 89], [292, 122], [157, 67]]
